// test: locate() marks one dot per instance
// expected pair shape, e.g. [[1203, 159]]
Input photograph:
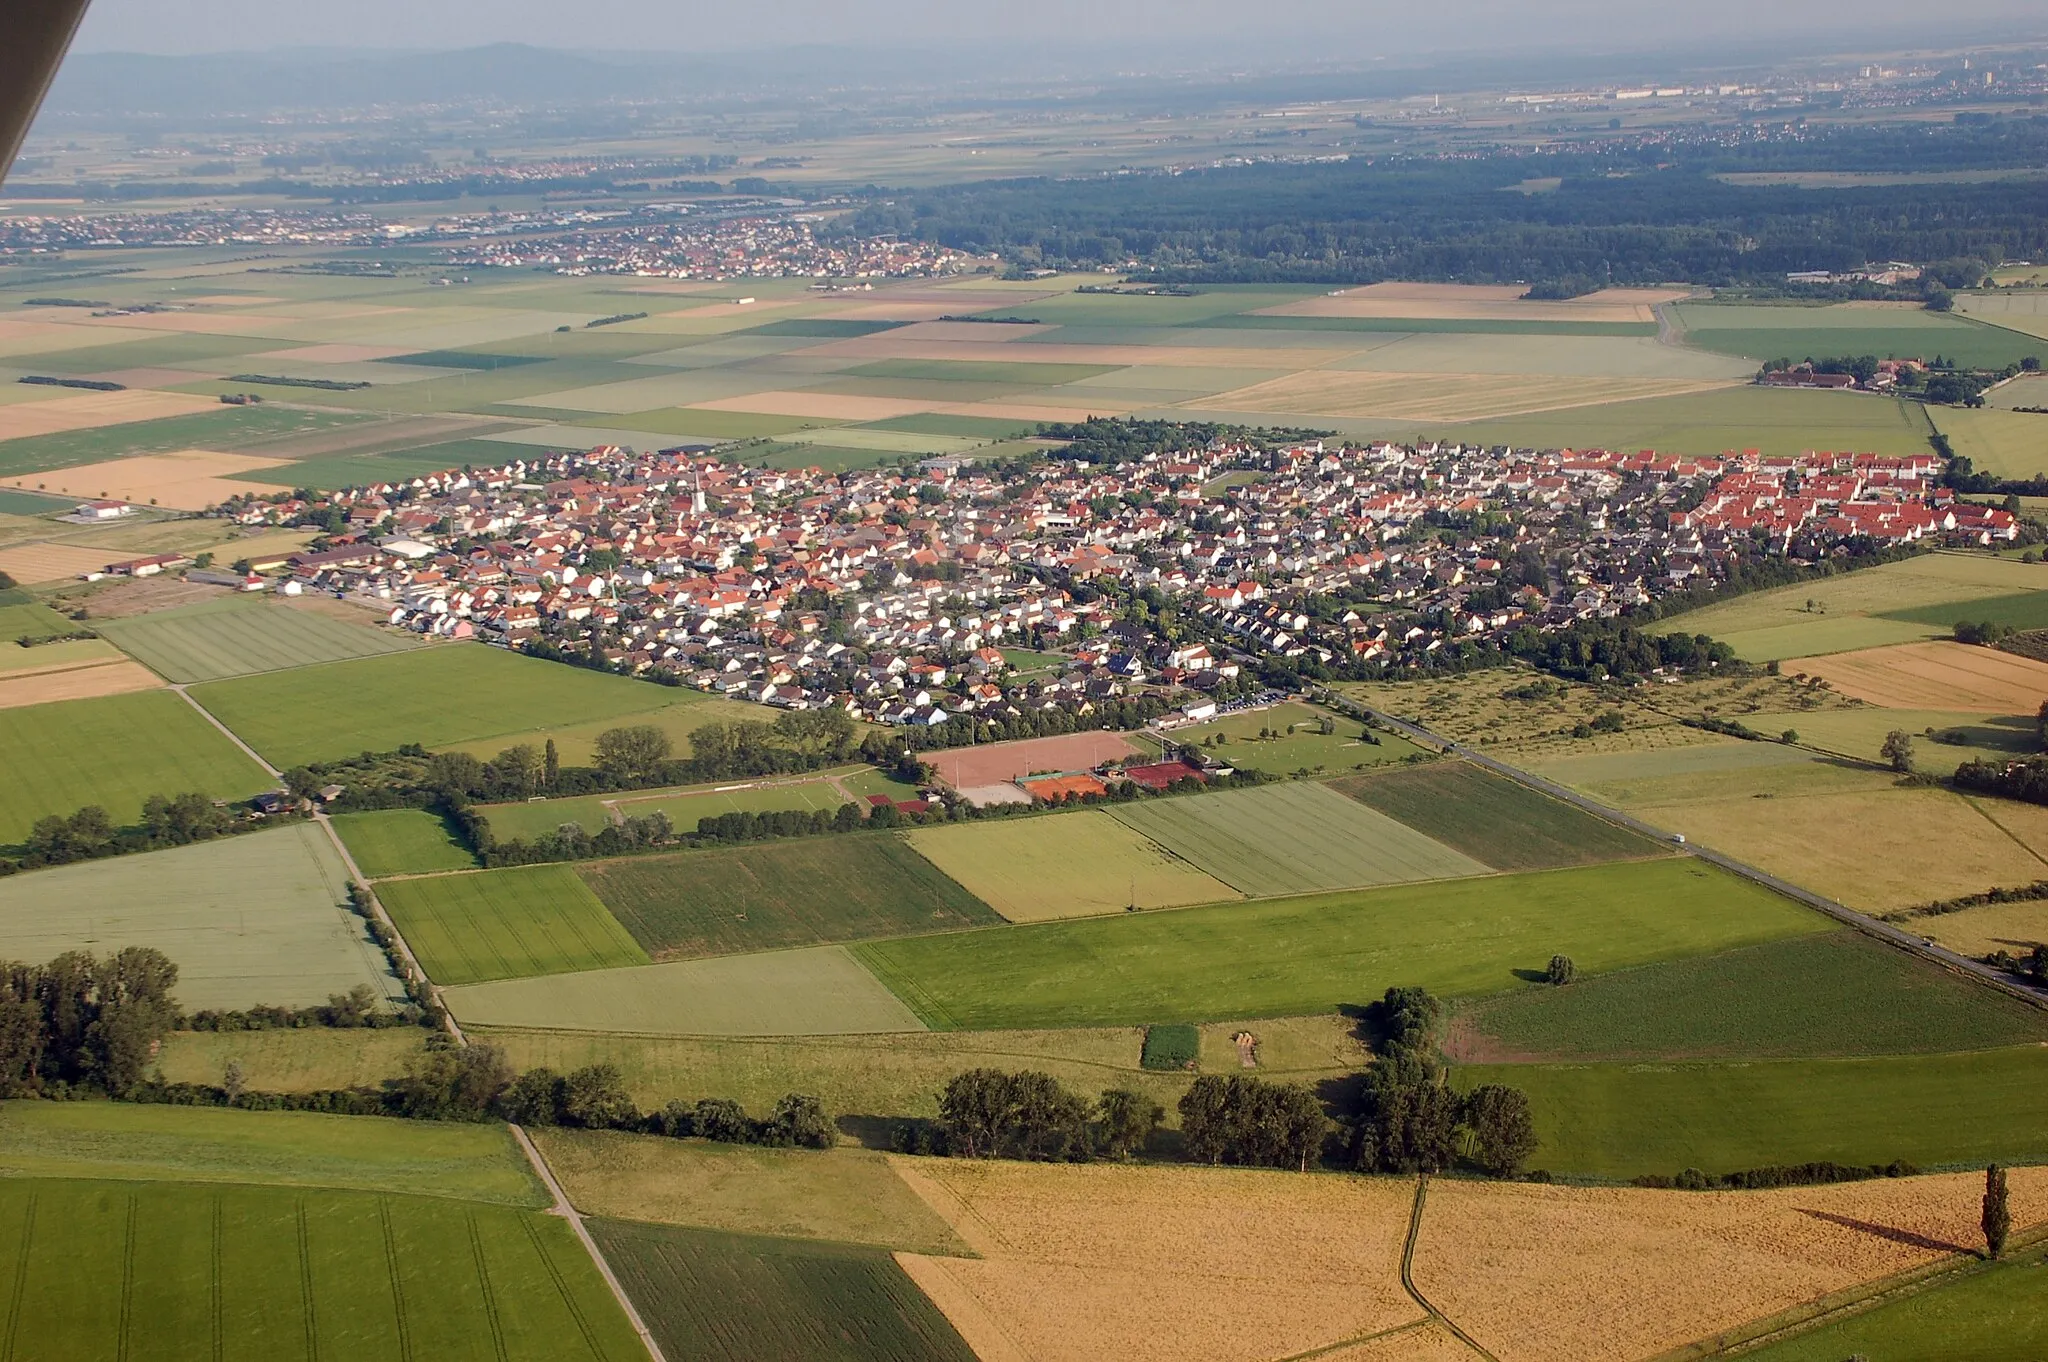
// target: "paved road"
[[1862, 922], [567, 1210]]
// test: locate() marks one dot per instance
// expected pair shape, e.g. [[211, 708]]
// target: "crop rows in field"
[[402, 842], [507, 924], [1492, 819], [212, 642], [1067, 865]]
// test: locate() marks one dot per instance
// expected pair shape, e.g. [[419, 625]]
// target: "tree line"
[[90, 833]]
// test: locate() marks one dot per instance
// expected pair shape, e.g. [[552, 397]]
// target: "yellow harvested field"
[[1478, 302], [902, 345], [1426, 1342], [1441, 397], [189, 480], [82, 411], [825, 406], [1574, 1274], [75, 683], [21, 337], [335, 353], [2015, 927], [233, 300], [33, 563], [1933, 676], [1161, 1264], [1030, 411]]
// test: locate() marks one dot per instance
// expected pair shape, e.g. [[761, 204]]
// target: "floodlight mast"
[[34, 35]]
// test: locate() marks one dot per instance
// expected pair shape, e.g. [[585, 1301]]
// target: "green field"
[[1292, 838], [135, 1271], [301, 1059], [820, 990], [402, 842], [2019, 610], [1997, 1314], [258, 918], [32, 621], [1064, 865], [1493, 819], [1861, 732], [125, 1141], [734, 900], [1807, 997], [1024, 373], [2005, 444], [1797, 333], [1306, 955], [13, 502], [1626, 1120], [506, 924], [432, 696], [1777, 422], [238, 636], [115, 752], [1295, 743], [1493, 326], [226, 429], [75, 652], [681, 712], [741, 1298]]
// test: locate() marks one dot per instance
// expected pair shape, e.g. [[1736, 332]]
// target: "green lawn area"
[[115, 751], [1314, 954], [1288, 738], [196, 1274], [33, 621], [434, 696], [732, 900], [240, 636], [1993, 1314], [1294, 837], [2020, 610], [1626, 1120], [1493, 819], [715, 1297], [506, 924], [402, 842], [1810, 996], [124, 1141]]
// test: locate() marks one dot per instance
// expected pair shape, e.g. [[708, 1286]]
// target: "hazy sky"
[[1328, 28]]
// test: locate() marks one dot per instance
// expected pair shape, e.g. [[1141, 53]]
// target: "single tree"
[[534, 1099], [1562, 970], [1898, 750], [1997, 1211], [232, 1080], [551, 766]]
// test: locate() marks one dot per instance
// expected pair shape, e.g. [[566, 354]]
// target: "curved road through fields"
[[1862, 922]]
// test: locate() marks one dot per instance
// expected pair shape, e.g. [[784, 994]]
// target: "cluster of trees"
[[569, 842], [1592, 650], [1251, 1122], [2026, 780], [991, 1114], [1411, 1120], [81, 1021], [357, 1008], [2031, 967], [1983, 633], [91, 833]]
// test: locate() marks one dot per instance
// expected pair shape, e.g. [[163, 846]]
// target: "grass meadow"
[[1066, 865], [229, 428], [302, 1059], [1811, 996], [1994, 1314], [506, 924], [238, 636], [256, 918], [114, 752], [2005, 444], [1293, 838], [1294, 741], [31, 620], [1293, 957], [732, 900], [1493, 819], [402, 842], [736, 1298], [1626, 1120], [174, 1272], [438, 697]]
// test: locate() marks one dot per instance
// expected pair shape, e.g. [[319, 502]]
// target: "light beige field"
[[75, 683], [335, 353], [1440, 397], [189, 480], [34, 563], [16, 660], [1424, 1342], [1936, 675], [899, 345], [1162, 1264], [735, 308], [20, 336], [825, 406], [200, 323], [1031, 411], [969, 333], [89, 410], [1478, 302], [1573, 1274], [2014, 927]]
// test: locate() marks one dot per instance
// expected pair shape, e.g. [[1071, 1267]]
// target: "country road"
[[1862, 922]]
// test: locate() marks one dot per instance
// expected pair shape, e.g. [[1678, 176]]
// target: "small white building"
[[102, 510]]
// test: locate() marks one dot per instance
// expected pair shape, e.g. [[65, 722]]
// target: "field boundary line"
[[1358, 1340], [483, 1281], [21, 1262], [566, 1209], [2003, 829], [1408, 1276], [391, 1265]]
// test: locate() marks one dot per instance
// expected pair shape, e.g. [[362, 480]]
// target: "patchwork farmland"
[[1493, 819], [507, 924]]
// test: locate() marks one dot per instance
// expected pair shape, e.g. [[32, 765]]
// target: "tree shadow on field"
[[1531, 976], [1895, 1235], [873, 1132]]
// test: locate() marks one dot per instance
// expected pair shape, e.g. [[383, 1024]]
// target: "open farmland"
[[677, 713], [1797, 333], [432, 696], [1860, 732], [1836, 994], [821, 990], [1163, 1264], [258, 918], [1313, 954], [737, 1298], [238, 636], [302, 1059], [2019, 610], [1289, 738], [1575, 1274], [684, 806], [752, 898], [1493, 819], [1984, 1316], [849, 1196], [1624, 1120], [91, 681], [1441, 397], [114, 751], [120, 1141], [2005, 444], [506, 924], [30, 620], [1064, 865], [402, 842], [2013, 927], [176, 1272], [1935, 676], [1293, 838]]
